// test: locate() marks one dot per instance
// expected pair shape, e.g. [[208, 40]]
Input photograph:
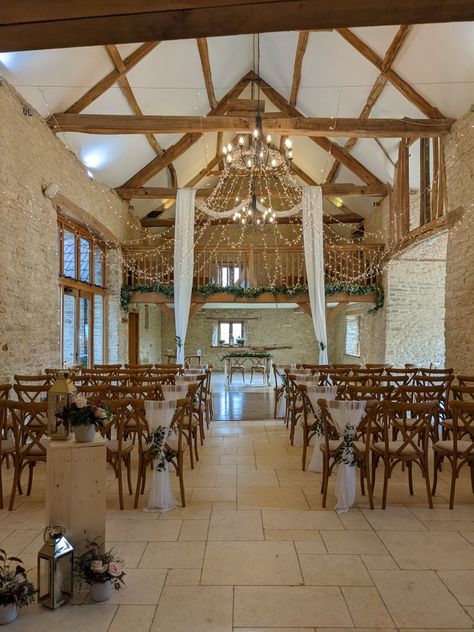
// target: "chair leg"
[[129, 473], [454, 475], [425, 471], [181, 481], [325, 479], [305, 447], [369, 482], [31, 465], [435, 473], [386, 476], [15, 484], [471, 467], [190, 446], [410, 477], [120, 482], [362, 486]]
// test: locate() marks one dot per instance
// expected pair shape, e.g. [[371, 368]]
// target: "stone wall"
[[150, 349], [263, 327], [459, 153], [31, 156], [372, 336]]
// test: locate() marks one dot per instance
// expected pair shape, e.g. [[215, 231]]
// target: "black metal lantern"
[[55, 566]]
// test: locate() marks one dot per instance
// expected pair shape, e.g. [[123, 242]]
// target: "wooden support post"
[[251, 257], [334, 311], [435, 182], [425, 181], [168, 311], [194, 309], [305, 308], [403, 185]]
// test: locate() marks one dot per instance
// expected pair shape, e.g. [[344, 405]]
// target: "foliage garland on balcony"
[[253, 292]]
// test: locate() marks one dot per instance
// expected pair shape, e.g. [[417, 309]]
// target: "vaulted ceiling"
[[377, 72]]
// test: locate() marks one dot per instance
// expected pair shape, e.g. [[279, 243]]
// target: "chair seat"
[[393, 446], [448, 447], [334, 445], [112, 445], [257, 367], [30, 450], [7, 445], [359, 446], [172, 444], [448, 423]]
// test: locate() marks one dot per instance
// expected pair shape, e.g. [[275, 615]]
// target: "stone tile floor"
[[254, 551]]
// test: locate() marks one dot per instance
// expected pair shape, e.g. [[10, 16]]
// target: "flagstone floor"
[[254, 551]]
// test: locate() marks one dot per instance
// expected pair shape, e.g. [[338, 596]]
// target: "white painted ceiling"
[[437, 60]]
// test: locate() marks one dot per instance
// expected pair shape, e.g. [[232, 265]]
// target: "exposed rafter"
[[376, 90], [150, 222], [402, 86], [131, 100], [296, 126], [187, 141], [206, 70], [338, 189], [300, 51], [325, 143], [104, 84], [29, 24]]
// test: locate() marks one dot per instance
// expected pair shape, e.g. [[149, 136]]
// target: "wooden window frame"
[[82, 288], [230, 321]]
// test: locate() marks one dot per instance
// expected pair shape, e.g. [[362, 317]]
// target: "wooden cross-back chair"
[[412, 421], [368, 429], [109, 368], [465, 380], [4, 391], [343, 368], [346, 379], [29, 423], [198, 400], [94, 392], [456, 393], [405, 372], [280, 385], [175, 448], [370, 392], [435, 372], [438, 380], [118, 446], [295, 407], [377, 366], [39, 380], [459, 449], [387, 380], [414, 394], [322, 370], [7, 444], [31, 392], [368, 372]]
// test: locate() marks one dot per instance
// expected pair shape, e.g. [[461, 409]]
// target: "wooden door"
[[133, 338]]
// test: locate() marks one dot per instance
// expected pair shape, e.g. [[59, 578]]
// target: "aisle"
[[241, 400]]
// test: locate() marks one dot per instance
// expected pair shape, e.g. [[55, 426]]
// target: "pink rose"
[[81, 402], [97, 566], [115, 569], [100, 413]]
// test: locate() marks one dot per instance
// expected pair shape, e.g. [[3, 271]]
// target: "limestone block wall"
[[459, 153], [372, 336], [263, 327], [30, 157], [415, 305], [150, 318]]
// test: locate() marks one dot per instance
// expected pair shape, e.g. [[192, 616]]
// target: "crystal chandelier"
[[257, 185]]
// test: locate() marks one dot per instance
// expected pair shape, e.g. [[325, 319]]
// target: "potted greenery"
[[240, 342], [100, 569], [16, 590], [85, 418], [221, 342]]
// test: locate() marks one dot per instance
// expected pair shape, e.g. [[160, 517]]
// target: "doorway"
[[133, 338]]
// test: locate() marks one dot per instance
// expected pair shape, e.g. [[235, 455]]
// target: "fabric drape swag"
[[183, 265], [312, 207]]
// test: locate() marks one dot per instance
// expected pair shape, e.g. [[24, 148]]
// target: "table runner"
[[159, 416], [346, 416]]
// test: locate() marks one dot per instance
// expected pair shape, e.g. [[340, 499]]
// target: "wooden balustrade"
[[254, 266]]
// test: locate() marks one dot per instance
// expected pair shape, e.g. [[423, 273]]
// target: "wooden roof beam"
[[291, 125], [206, 70], [32, 25], [300, 51], [104, 84], [402, 86], [376, 90], [131, 100], [187, 141], [150, 222], [337, 189]]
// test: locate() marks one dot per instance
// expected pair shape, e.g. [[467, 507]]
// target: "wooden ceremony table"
[[246, 360]]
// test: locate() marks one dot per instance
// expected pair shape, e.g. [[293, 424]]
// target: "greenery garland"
[[253, 354], [167, 290]]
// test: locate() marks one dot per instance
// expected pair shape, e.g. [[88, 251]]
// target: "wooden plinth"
[[76, 490]]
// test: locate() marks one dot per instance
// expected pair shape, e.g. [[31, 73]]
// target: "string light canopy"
[[257, 185]]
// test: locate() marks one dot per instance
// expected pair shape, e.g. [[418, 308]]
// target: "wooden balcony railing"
[[253, 266]]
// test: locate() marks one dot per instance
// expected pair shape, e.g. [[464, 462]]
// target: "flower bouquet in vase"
[[100, 569], [16, 590], [86, 418]]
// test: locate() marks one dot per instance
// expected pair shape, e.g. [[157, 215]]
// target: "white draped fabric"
[[312, 204], [183, 265], [159, 415], [316, 392], [174, 391], [347, 416]]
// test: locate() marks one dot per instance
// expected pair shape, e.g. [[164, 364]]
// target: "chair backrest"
[[346, 379], [150, 391], [377, 366], [138, 367], [94, 392], [401, 372], [115, 427], [412, 423], [30, 427], [31, 392], [417, 394], [465, 393], [465, 380], [435, 372], [368, 393], [463, 426], [39, 380], [387, 380], [4, 391], [369, 372], [106, 367]]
